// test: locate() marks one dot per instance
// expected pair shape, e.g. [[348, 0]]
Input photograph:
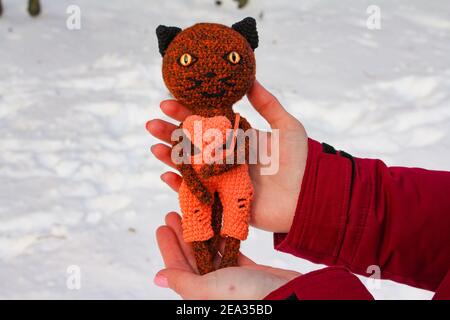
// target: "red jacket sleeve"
[[360, 213]]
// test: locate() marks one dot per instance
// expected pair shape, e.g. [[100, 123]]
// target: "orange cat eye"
[[186, 60], [234, 57]]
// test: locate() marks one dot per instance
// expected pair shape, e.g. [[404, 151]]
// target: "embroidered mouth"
[[226, 81], [197, 83], [219, 94]]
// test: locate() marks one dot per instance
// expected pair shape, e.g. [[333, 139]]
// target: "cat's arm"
[[245, 126], [192, 180], [217, 169]]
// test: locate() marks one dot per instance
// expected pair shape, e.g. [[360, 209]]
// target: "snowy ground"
[[77, 183]]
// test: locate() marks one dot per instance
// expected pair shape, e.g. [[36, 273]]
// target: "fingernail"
[[161, 281]]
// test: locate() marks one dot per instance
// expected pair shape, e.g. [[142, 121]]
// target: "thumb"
[[268, 106], [187, 284]]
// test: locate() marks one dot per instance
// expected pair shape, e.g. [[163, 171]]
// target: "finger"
[[268, 106], [163, 153], [187, 284], [173, 220], [175, 110], [161, 129], [171, 252], [172, 179]]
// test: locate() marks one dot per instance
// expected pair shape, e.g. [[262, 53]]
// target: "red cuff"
[[317, 230], [326, 284]]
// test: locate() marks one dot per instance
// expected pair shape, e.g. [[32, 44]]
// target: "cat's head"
[[209, 65]]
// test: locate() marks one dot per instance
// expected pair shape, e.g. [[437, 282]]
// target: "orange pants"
[[235, 190]]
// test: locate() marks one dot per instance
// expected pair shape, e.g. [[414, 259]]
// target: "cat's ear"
[[247, 28], [165, 36]]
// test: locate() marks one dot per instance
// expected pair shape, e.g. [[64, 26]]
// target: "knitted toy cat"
[[209, 67]]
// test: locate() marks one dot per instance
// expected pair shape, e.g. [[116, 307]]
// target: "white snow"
[[78, 184]]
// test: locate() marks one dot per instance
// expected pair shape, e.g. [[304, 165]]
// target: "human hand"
[[247, 281], [275, 196]]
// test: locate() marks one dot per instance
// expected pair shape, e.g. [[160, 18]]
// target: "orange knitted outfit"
[[234, 187]]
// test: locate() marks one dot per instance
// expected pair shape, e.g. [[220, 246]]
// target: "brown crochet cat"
[[209, 67]]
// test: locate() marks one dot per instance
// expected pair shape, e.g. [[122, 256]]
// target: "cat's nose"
[[210, 75]]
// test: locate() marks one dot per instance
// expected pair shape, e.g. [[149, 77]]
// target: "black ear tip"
[[247, 27], [161, 29], [165, 36], [250, 20]]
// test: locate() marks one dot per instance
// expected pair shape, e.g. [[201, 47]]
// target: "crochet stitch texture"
[[234, 188]]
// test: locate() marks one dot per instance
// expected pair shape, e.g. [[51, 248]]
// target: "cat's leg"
[[1, 8], [34, 7], [231, 253], [236, 193], [216, 222], [197, 228], [203, 256]]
